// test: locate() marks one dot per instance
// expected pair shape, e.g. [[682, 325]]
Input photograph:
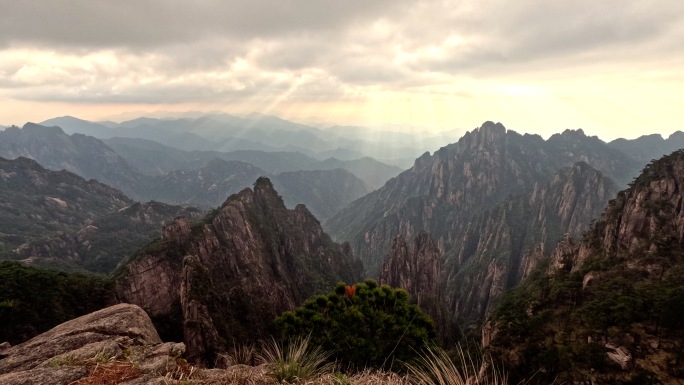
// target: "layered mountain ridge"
[[36, 201], [58, 219], [208, 179]]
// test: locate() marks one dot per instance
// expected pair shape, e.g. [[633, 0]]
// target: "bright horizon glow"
[[613, 69]]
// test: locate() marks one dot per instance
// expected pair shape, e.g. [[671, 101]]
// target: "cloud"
[[153, 23], [159, 51], [504, 36]]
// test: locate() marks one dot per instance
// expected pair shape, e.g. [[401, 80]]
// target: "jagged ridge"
[[226, 279], [610, 307]]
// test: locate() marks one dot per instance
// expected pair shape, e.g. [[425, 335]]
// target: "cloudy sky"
[[612, 67]]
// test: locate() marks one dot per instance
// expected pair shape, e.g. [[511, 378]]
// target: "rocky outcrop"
[[645, 219], [419, 268], [121, 336], [616, 294], [224, 280], [495, 204]]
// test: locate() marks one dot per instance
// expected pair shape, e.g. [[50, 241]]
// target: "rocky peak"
[[617, 292], [422, 160], [225, 279], [645, 219], [570, 133], [489, 132], [34, 129], [489, 138], [266, 196]]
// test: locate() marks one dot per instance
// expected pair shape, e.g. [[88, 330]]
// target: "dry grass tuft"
[[110, 373], [296, 361], [373, 377], [434, 367], [240, 355]]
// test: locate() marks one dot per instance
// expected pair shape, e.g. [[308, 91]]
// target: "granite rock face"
[[122, 333], [495, 204], [645, 219], [615, 293], [224, 280]]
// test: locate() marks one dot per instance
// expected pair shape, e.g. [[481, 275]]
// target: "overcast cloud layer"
[[610, 65]]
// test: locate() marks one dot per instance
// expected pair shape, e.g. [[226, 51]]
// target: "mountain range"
[[523, 241], [493, 204], [93, 159], [222, 132], [58, 219]]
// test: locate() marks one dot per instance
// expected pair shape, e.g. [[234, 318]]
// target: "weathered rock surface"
[[419, 268], [122, 334], [495, 204], [501, 245], [615, 295], [225, 279]]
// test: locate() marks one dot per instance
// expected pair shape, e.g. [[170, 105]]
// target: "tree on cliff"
[[364, 325]]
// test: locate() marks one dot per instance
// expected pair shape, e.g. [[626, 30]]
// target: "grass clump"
[[296, 361], [435, 367], [245, 354]]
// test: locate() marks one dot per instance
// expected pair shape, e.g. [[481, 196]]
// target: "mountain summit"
[[493, 203], [225, 279]]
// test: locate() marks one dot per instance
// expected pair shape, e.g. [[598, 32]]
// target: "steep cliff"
[[419, 268], [443, 192], [225, 279], [494, 203], [503, 244], [608, 309]]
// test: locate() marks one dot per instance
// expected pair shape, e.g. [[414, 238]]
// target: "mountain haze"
[[207, 182], [80, 154]]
